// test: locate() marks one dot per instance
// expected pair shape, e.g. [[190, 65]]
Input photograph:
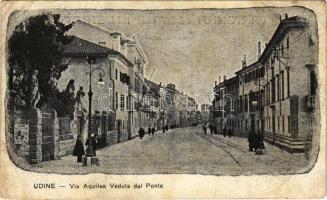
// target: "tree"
[[37, 44]]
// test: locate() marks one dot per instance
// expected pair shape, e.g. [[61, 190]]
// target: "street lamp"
[[91, 60]]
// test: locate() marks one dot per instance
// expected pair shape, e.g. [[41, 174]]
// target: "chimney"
[[266, 44], [215, 83], [286, 16], [160, 84], [219, 79], [259, 49], [224, 78], [244, 61], [280, 17]]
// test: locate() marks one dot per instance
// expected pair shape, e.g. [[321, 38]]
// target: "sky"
[[191, 48]]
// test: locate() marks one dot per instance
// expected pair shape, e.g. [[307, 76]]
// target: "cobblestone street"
[[184, 151]]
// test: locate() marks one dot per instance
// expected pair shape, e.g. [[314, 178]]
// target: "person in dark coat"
[[79, 149], [229, 132], [211, 129], [215, 130], [166, 127], [261, 143], [93, 142], [256, 142], [153, 130], [149, 130], [141, 133], [224, 131], [163, 129], [205, 128], [251, 140]]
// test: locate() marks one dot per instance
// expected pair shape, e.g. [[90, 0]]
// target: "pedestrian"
[[93, 142], [205, 128], [229, 132], [211, 128], [163, 129], [224, 131], [256, 141], [251, 141], [149, 130], [79, 149], [153, 130], [141, 133], [215, 130], [166, 127]]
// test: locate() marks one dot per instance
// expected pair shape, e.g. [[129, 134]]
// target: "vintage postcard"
[[163, 100]]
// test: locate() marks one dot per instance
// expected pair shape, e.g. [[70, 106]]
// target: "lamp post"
[[91, 60]]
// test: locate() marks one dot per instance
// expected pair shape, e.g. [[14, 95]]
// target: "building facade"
[[127, 68], [276, 95]]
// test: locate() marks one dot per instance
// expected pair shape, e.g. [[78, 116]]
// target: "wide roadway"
[[184, 151]]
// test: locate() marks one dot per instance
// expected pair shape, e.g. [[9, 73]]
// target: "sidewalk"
[[274, 158]]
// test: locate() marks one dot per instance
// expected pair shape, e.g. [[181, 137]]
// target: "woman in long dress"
[[79, 149]]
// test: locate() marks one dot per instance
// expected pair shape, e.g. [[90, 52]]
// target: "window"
[[288, 43], [289, 123], [282, 76], [273, 90], [288, 81], [283, 124], [278, 88], [312, 82], [116, 100], [278, 123], [262, 72], [246, 106], [102, 43], [241, 104], [122, 102], [116, 74], [127, 99]]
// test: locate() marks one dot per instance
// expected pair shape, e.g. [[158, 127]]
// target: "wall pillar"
[[55, 131], [35, 136]]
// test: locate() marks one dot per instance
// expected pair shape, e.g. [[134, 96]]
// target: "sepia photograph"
[[222, 92]]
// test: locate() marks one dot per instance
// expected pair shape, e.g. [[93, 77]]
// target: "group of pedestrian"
[[79, 147], [151, 130], [228, 132], [211, 127], [165, 128], [255, 141]]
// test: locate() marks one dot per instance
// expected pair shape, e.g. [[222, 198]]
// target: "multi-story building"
[[153, 104], [277, 94], [288, 95], [225, 105], [128, 73], [181, 109]]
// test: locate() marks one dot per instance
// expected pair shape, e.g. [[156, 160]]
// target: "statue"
[[34, 92], [79, 101], [70, 89], [53, 80]]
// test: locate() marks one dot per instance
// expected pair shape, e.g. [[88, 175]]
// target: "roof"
[[81, 47], [155, 88], [132, 41], [284, 26]]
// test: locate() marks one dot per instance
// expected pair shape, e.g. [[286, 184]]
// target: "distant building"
[[205, 112]]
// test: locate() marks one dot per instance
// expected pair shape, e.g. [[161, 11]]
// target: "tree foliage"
[[37, 44]]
